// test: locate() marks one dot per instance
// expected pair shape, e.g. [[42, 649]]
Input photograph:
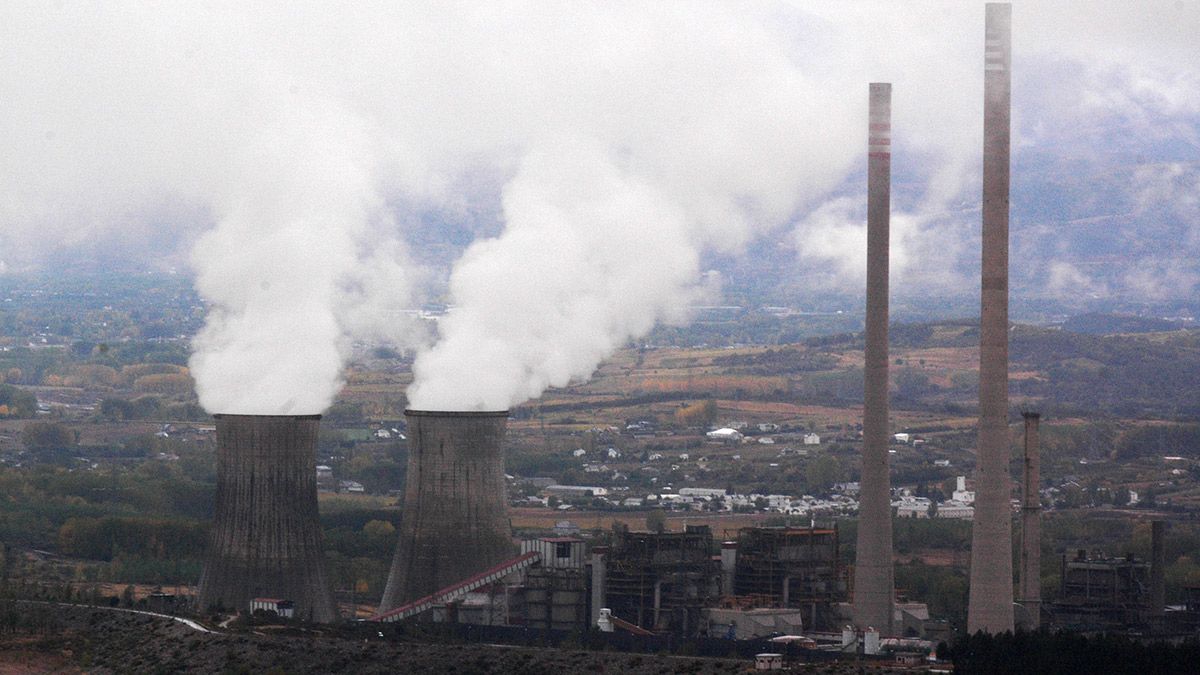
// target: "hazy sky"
[[280, 149]]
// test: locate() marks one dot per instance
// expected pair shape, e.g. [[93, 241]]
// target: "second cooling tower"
[[455, 519]]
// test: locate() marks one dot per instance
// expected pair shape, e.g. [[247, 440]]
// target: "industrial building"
[[771, 580], [661, 581], [1098, 592], [791, 567]]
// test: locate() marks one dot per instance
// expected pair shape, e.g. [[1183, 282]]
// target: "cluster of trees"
[[701, 414], [727, 386], [1129, 376], [1181, 440], [1051, 653], [359, 544], [16, 402], [50, 441], [117, 409], [112, 537], [777, 361]]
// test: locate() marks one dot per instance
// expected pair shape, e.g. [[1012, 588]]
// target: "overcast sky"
[[281, 150]]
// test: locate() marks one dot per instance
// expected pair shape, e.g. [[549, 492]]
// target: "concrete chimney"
[[873, 572], [1030, 594], [599, 581], [1158, 597], [990, 608], [455, 518], [266, 536]]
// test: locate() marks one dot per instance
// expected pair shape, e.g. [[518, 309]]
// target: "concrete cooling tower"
[[266, 538], [455, 519]]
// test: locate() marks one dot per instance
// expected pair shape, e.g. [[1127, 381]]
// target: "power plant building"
[[661, 581], [792, 567]]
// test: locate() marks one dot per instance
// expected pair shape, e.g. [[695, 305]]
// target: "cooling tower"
[[455, 518], [990, 608], [1030, 594], [873, 573], [266, 538]]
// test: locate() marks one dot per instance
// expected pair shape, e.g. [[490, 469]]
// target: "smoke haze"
[[619, 142]]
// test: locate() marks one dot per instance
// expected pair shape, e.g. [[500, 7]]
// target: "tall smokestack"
[[873, 573], [1158, 597], [1031, 523], [991, 594], [266, 537], [455, 518]]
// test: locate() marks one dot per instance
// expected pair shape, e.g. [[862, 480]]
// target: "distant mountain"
[[1095, 323]]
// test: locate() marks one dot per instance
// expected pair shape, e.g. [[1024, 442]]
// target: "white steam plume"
[[121, 114], [623, 139]]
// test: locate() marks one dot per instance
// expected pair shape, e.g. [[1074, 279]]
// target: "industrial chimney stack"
[[873, 573], [455, 518], [266, 537], [1030, 595], [1157, 568], [990, 608]]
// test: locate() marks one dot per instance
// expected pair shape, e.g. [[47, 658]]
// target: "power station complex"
[[456, 560]]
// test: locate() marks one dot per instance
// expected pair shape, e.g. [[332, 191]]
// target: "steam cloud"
[[621, 141]]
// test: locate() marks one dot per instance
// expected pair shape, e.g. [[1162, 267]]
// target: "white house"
[[284, 608], [812, 439], [912, 507], [955, 509], [574, 491], [902, 438], [725, 434], [961, 493], [707, 493]]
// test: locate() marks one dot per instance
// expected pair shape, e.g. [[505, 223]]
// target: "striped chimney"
[[873, 573], [990, 607]]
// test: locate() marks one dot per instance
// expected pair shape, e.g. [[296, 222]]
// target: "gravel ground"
[[97, 641]]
